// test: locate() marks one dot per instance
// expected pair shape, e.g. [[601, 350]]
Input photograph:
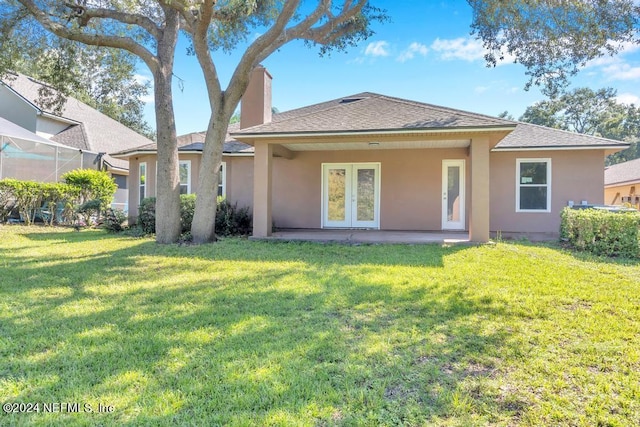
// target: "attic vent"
[[348, 100]]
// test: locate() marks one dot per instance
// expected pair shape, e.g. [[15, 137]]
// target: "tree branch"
[[91, 39], [125, 18]]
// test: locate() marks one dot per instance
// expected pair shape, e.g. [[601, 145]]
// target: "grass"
[[256, 333]]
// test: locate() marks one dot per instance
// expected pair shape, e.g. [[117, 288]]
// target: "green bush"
[[147, 215], [601, 232], [230, 220], [187, 208], [114, 220], [93, 185], [56, 202]]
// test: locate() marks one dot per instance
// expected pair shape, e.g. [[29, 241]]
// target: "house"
[[378, 162], [622, 183], [91, 134]]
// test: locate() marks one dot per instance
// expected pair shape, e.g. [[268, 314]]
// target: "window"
[[142, 178], [533, 186], [185, 176], [222, 180]]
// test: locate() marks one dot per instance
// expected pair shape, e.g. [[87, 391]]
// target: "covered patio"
[[368, 236]]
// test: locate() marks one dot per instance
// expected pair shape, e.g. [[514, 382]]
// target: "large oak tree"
[[149, 30]]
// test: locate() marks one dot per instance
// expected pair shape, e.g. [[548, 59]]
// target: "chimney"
[[255, 108]]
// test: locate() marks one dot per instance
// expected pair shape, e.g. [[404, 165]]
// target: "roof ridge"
[[329, 107], [441, 108]]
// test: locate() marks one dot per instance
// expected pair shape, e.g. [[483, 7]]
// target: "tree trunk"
[[204, 217], [168, 227]]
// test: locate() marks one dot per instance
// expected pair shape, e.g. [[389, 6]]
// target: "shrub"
[[231, 220], [114, 220], [147, 215], [601, 232], [93, 185], [187, 208]]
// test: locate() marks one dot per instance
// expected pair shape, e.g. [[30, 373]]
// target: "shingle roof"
[[527, 135], [195, 142], [626, 172], [96, 132], [371, 111]]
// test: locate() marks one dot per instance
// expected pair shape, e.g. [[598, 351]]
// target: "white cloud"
[[628, 98], [481, 89], [379, 48], [142, 79], [621, 71], [413, 49], [463, 48]]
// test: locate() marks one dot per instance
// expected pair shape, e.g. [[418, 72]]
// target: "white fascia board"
[[372, 132]]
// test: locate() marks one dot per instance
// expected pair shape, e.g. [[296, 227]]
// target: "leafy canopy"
[[552, 38]]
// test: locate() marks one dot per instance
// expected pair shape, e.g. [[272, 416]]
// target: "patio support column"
[[262, 164], [479, 218]]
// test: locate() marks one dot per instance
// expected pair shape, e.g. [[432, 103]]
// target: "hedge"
[[57, 202], [602, 232], [230, 220]]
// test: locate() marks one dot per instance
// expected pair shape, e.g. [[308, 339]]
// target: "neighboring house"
[[92, 134], [378, 162], [622, 183]]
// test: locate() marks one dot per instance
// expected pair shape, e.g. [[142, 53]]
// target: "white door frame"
[[351, 183], [460, 224]]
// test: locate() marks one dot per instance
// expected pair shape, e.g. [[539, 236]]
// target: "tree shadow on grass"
[[302, 337]]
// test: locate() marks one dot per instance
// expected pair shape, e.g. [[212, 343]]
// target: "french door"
[[453, 209], [351, 195]]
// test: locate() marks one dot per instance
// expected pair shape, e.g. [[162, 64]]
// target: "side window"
[[222, 180], [533, 186], [142, 180], [185, 176]]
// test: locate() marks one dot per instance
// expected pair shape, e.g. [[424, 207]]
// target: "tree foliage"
[[148, 29], [597, 113], [103, 78], [551, 38]]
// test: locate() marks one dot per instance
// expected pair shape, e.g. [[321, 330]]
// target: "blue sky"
[[425, 53]]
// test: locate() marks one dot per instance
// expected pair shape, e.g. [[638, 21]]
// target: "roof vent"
[[348, 100]]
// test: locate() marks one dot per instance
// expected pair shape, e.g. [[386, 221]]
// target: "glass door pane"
[[453, 199], [365, 195], [453, 193], [337, 194]]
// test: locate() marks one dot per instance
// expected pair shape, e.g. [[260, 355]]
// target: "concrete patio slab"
[[369, 236]]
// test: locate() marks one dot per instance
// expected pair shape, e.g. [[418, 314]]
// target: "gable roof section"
[[95, 131], [622, 173], [12, 130], [369, 111], [527, 136]]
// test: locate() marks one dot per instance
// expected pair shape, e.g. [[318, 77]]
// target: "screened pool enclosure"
[[27, 156]]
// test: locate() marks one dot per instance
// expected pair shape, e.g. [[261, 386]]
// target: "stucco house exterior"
[[622, 183], [378, 162], [79, 127]]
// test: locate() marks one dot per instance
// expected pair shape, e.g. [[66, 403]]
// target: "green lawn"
[[256, 333]]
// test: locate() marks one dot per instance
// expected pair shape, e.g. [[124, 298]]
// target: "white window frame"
[[188, 163], [519, 161], [146, 180], [223, 179]]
